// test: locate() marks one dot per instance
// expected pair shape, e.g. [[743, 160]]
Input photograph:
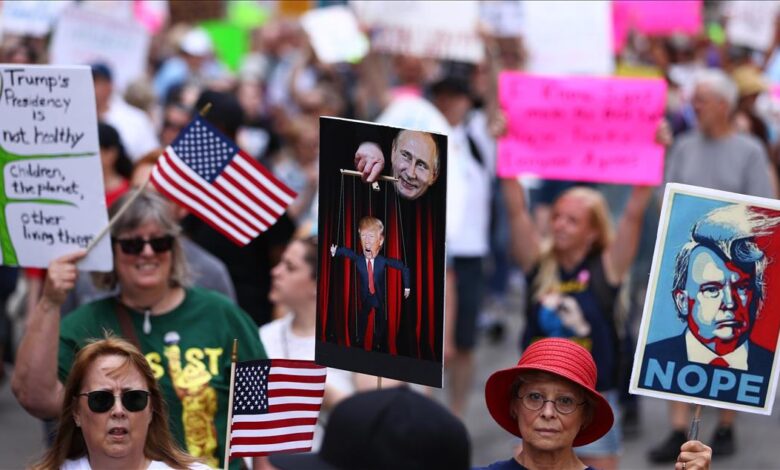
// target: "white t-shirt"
[[280, 342], [83, 464]]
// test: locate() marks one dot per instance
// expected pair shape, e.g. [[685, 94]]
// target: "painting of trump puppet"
[[381, 230], [710, 326]]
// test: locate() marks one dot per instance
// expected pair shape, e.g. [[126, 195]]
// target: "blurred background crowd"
[[269, 76]]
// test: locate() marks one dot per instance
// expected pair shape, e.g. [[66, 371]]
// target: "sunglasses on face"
[[134, 246], [101, 401]]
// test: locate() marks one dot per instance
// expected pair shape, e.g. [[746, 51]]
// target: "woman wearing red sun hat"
[[549, 400]]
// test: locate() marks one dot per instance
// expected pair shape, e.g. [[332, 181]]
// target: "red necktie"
[[720, 362], [370, 276]]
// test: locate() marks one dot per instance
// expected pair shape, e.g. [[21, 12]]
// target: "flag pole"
[[379, 383], [233, 359], [116, 216], [203, 111]]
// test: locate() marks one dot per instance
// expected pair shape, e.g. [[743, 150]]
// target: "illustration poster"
[[380, 296], [51, 184], [709, 331]]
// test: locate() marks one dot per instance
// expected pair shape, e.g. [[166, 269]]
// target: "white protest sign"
[[31, 17], [574, 37], [441, 30], [334, 34], [504, 18], [51, 182], [750, 23], [85, 37]]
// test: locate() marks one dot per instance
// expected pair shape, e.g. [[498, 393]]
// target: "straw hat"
[[559, 357], [749, 80]]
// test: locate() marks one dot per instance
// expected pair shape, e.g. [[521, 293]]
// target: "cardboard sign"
[[334, 34], [710, 326], [751, 24], [655, 18], [441, 30], [384, 317], [33, 18], [85, 37], [52, 197], [582, 129], [576, 39]]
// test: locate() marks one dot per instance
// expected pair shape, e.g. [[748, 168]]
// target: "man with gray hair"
[[714, 155]]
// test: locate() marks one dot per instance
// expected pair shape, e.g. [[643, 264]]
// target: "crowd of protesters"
[[180, 286]]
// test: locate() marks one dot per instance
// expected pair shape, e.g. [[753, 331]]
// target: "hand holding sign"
[[61, 277]]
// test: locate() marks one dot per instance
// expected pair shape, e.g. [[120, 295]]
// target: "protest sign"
[[709, 329], [33, 18], [751, 24], [503, 18], [582, 129], [334, 34], [441, 30], [85, 37], [654, 18], [380, 286], [51, 183], [576, 39]]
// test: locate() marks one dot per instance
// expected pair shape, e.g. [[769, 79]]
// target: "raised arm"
[[35, 383], [620, 254], [405, 274], [526, 240]]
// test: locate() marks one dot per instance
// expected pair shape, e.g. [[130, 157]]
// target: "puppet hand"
[[332, 251], [406, 293], [369, 161]]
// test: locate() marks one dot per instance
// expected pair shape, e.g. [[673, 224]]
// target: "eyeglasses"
[[534, 401], [101, 401], [134, 246]]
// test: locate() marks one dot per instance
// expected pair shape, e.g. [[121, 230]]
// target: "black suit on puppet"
[[376, 299]]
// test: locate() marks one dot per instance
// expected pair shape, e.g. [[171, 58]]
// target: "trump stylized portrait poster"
[[381, 231], [709, 330]]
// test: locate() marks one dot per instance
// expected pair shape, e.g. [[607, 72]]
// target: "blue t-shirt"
[[582, 311], [510, 464]]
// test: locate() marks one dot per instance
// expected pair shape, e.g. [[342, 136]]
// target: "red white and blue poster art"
[[710, 325], [380, 293]]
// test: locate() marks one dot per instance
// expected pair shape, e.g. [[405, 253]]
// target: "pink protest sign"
[[582, 129], [654, 17]]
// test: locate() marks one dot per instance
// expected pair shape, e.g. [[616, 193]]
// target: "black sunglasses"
[[134, 246], [101, 401]]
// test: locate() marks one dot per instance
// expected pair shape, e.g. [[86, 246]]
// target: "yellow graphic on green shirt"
[[198, 402]]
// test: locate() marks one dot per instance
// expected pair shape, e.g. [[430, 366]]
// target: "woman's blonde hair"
[[548, 279], [69, 442]]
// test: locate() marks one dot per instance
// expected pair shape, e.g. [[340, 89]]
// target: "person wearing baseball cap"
[[549, 400]]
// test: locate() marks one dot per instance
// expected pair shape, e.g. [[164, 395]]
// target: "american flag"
[[276, 403], [203, 171]]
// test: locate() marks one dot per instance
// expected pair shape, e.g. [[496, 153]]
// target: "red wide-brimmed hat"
[[559, 357]]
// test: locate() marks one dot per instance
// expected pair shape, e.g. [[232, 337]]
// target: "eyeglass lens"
[[101, 401], [134, 246], [563, 404]]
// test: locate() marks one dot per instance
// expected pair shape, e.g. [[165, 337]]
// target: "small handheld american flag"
[[276, 403], [203, 171]]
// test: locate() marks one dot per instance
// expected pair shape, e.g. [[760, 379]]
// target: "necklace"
[[147, 310]]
